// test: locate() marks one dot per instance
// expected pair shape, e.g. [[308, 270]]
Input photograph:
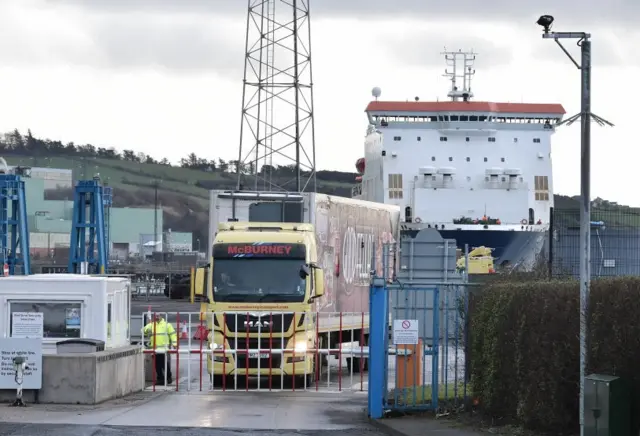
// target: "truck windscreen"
[[255, 280]]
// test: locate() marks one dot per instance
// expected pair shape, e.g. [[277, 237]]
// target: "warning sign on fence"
[[405, 331]]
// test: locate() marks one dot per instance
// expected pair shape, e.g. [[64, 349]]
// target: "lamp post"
[[585, 116]]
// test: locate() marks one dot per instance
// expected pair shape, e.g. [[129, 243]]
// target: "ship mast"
[[461, 63]]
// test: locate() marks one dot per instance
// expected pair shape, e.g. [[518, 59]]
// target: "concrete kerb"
[[418, 426]]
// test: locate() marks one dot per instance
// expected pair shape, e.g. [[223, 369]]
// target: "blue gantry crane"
[[14, 233], [88, 230]]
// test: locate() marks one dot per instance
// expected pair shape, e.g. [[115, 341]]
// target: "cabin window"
[[501, 159], [515, 140], [486, 160], [61, 319], [491, 139], [419, 139], [450, 159], [466, 139], [536, 140], [541, 188], [397, 138], [443, 139], [395, 186], [433, 158], [468, 159]]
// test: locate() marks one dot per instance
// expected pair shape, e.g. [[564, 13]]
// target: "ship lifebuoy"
[[523, 222], [418, 220]]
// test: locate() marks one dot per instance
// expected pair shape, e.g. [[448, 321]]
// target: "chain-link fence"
[[615, 242]]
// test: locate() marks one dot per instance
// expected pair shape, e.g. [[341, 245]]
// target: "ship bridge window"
[[454, 118], [473, 118], [395, 186], [536, 140], [483, 118], [464, 118]]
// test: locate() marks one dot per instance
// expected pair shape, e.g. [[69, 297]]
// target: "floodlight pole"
[[585, 117]]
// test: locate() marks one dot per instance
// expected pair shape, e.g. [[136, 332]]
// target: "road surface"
[[221, 414]]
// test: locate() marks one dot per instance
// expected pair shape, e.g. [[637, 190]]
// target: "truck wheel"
[[299, 381]]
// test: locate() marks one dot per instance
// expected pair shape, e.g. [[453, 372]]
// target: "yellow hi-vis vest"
[[165, 334]]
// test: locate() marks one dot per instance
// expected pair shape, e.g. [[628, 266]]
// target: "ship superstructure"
[[480, 172]]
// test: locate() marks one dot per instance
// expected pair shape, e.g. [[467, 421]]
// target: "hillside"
[[183, 188]]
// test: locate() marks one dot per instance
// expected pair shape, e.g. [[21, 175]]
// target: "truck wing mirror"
[[304, 272]]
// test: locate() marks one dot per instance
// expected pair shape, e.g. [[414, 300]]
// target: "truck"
[[289, 275]]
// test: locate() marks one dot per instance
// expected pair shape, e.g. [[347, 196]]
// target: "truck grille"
[[276, 323], [255, 344]]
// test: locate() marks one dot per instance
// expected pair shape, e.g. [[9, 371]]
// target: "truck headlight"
[[300, 347]]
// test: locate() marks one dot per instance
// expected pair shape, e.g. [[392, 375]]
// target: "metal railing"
[[328, 352]]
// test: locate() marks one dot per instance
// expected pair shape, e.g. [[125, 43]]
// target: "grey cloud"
[[189, 45], [588, 12], [182, 47], [423, 49]]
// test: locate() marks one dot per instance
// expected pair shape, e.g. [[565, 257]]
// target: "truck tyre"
[[299, 381]]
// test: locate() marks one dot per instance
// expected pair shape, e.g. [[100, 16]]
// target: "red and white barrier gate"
[[259, 351]]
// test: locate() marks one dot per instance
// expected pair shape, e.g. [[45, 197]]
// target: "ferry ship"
[[479, 172]]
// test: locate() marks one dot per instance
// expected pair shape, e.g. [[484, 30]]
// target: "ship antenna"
[[461, 63]]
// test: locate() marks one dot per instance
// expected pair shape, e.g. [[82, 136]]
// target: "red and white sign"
[[405, 332], [5, 270]]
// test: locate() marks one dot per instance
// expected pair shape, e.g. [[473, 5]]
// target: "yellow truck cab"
[[270, 268]]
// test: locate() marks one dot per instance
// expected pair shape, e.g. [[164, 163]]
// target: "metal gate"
[[418, 331], [249, 351]]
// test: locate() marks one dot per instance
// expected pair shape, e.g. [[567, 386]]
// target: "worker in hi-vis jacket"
[[162, 337]]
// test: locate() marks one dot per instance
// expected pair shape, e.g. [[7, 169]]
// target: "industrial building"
[[130, 230]]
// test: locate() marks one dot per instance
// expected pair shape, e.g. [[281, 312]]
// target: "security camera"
[[545, 21]]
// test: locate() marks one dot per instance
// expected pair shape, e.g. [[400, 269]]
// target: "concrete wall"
[[90, 378]]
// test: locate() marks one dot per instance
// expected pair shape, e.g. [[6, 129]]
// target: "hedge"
[[524, 348]]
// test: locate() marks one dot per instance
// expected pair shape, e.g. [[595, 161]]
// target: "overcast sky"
[[164, 77]]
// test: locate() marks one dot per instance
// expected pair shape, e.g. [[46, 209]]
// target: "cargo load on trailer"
[[288, 279]]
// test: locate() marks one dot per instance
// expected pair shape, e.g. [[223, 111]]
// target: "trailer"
[[339, 240]]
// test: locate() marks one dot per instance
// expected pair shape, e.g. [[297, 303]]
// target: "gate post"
[[378, 331]]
